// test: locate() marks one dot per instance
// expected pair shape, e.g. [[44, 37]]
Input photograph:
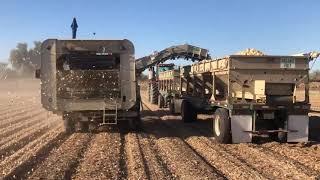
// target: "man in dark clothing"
[[74, 27]]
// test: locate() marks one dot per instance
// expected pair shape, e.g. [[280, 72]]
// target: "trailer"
[[248, 94]]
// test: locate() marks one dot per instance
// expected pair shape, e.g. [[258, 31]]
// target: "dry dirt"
[[34, 146]]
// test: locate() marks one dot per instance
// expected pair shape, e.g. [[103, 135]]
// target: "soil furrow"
[[17, 143], [14, 120], [268, 163], [14, 164], [156, 168], [304, 159], [101, 160], [29, 130], [299, 166], [231, 166], [136, 164], [215, 156], [182, 160], [123, 169], [16, 112], [61, 162], [24, 124], [12, 107]]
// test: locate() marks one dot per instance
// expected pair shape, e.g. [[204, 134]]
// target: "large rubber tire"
[[153, 92], [69, 125], [314, 128], [160, 101], [171, 107], [222, 126], [84, 127], [188, 113]]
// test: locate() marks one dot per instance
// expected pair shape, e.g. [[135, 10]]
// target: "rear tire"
[[222, 126], [171, 107], [153, 92], [160, 101], [314, 128], [84, 127], [69, 125], [188, 113]]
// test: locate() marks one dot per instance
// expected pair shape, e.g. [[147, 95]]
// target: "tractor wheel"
[[69, 125], [222, 126], [160, 101], [171, 107], [153, 92], [188, 113], [84, 127], [314, 128]]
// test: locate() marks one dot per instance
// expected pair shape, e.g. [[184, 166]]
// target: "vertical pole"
[[254, 120], [306, 89]]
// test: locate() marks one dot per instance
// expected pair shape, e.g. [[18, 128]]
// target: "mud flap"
[[300, 124], [239, 124]]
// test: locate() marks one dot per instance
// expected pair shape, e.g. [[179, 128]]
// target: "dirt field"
[[34, 146]]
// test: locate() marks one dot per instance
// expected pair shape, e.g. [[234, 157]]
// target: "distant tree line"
[[24, 61], [315, 76]]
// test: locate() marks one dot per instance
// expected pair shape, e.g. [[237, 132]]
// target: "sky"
[[224, 27]]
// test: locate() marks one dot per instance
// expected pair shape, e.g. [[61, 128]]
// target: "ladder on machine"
[[109, 118]]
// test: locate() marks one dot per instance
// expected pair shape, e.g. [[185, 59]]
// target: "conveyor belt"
[[181, 51]]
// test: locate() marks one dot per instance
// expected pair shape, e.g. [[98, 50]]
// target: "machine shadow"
[[161, 124]]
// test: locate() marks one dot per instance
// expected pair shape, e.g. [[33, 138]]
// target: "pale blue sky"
[[223, 27]]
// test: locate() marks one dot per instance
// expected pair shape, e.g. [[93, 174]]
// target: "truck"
[[248, 95], [153, 77], [155, 64], [94, 82]]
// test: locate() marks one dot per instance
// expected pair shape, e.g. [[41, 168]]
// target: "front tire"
[[188, 113], [160, 101], [84, 127], [153, 92], [171, 107], [69, 125], [222, 126]]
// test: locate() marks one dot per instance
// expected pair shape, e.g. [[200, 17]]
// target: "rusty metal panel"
[[119, 82], [210, 66], [88, 84], [270, 62], [48, 75]]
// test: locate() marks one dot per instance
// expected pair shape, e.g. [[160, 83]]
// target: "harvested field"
[[34, 146]]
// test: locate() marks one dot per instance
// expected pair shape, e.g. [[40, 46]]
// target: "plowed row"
[[33, 145]]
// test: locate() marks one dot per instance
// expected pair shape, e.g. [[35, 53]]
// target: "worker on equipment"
[[74, 27]]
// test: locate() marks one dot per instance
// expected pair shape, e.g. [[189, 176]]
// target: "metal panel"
[[299, 123], [48, 74], [268, 62], [239, 124]]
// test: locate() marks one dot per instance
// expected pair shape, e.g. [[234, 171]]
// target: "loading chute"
[[185, 51]]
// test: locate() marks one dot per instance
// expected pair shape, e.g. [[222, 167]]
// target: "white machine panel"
[[301, 124], [239, 124]]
